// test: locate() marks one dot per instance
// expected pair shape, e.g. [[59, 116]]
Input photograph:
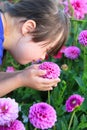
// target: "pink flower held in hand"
[[52, 69], [16, 125], [10, 69], [72, 52], [73, 101], [42, 116], [83, 38], [8, 111]]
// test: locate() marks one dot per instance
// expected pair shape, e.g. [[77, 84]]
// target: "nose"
[[43, 57]]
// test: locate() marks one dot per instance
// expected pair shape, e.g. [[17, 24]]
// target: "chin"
[[21, 62]]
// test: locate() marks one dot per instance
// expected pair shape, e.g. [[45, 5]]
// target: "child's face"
[[26, 51], [21, 46]]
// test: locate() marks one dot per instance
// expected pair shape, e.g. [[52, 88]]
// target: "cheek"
[[26, 53]]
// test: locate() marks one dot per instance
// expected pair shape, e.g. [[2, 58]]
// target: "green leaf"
[[82, 126], [63, 126], [75, 122], [79, 81]]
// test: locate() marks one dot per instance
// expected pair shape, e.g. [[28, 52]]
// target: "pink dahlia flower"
[[83, 38], [42, 116], [79, 7], [52, 69], [72, 52], [73, 101], [8, 111], [16, 125], [10, 69]]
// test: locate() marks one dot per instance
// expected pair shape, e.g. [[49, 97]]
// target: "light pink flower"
[[42, 116], [72, 52], [73, 101], [16, 125], [10, 69], [52, 69], [83, 37], [79, 7], [8, 111]]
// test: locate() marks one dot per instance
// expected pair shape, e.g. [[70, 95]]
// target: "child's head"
[[43, 20]]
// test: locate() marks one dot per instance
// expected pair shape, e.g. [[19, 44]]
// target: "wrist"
[[21, 79]]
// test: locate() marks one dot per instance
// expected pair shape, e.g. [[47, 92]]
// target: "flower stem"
[[35, 128], [54, 128], [71, 9], [85, 65], [70, 123], [48, 97]]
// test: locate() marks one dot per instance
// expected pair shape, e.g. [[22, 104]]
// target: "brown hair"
[[51, 22]]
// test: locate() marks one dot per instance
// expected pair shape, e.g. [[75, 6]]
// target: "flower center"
[[4, 109], [74, 102]]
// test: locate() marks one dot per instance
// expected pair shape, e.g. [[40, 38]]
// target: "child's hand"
[[31, 77]]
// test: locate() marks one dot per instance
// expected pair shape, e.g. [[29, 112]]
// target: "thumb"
[[41, 72]]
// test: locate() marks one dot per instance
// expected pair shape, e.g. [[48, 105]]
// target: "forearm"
[[9, 82]]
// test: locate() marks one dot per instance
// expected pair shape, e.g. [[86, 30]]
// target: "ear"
[[28, 26]]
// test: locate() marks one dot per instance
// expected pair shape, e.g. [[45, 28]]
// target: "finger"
[[46, 89], [55, 85], [40, 73], [35, 66], [46, 81]]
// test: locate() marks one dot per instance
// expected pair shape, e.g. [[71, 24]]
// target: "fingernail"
[[59, 80], [51, 88]]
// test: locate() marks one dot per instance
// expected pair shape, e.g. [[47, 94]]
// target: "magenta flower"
[[73, 102], [79, 7], [42, 116], [52, 69], [10, 69], [8, 111], [72, 52], [83, 38], [16, 125]]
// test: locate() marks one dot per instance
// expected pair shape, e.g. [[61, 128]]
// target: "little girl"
[[29, 29]]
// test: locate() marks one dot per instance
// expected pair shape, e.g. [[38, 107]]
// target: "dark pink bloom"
[[60, 53], [8, 111], [46, 57], [16, 125], [58, 56], [79, 7], [83, 38], [72, 52], [42, 116], [10, 69], [52, 69], [73, 102]]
